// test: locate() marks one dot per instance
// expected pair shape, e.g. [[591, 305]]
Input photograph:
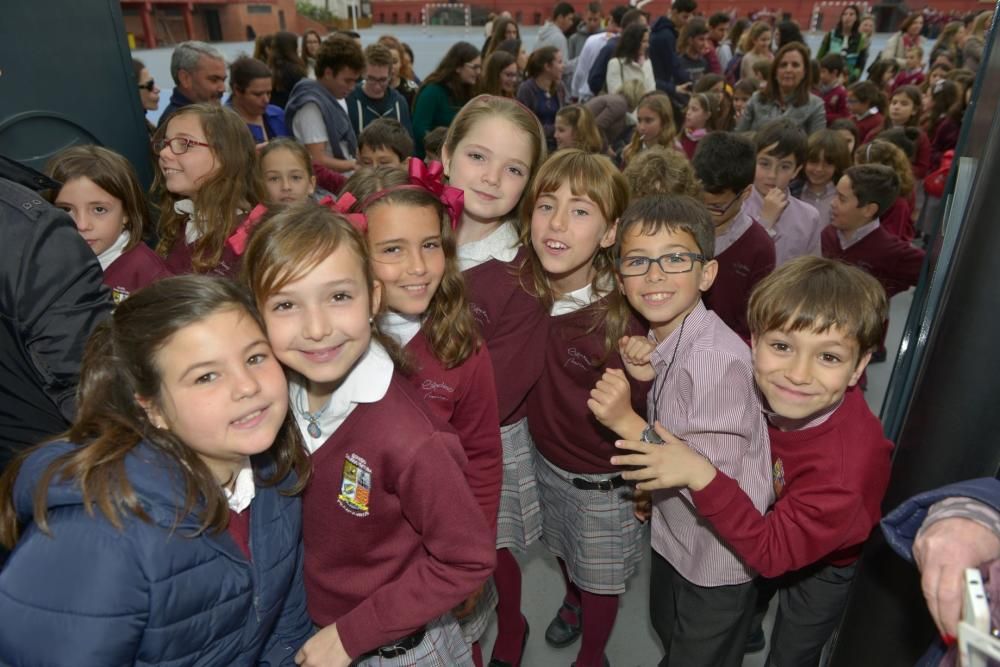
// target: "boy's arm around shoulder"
[[459, 550], [823, 508], [77, 597]]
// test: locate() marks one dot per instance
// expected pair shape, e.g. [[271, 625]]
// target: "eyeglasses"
[[378, 81], [717, 210], [148, 86], [474, 68], [178, 145], [675, 262]]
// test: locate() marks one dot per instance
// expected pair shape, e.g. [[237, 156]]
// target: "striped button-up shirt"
[[704, 394]]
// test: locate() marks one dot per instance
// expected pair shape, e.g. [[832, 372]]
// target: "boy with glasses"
[[725, 165], [701, 594], [374, 98]]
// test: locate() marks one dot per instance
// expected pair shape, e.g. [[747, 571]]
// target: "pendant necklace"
[[312, 417]]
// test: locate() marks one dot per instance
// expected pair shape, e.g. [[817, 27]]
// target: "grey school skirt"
[[594, 532], [519, 518], [442, 646], [474, 625]]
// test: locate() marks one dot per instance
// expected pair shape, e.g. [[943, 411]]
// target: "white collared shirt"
[[114, 251], [859, 234], [579, 299], [192, 232], [401, 327], [500, 244], [243, 490], [367, 382]]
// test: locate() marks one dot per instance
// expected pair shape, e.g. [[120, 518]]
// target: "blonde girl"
[[654, 125], [575, 128]]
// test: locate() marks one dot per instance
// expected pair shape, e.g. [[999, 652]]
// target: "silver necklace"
[[313, 428]]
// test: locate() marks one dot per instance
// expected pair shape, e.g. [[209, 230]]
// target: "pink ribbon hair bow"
[[343, 206], [431, 177]]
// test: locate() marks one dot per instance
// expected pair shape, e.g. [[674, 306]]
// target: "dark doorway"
[[213, 24], [281, 19]]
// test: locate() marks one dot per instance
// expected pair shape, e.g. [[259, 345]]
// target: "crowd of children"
[[347, 387]]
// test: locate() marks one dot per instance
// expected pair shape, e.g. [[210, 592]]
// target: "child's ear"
[[870, 210], [746, 193], [708, 273], [446, 161], [608, 239], [862, 365], [312, 184], [153, 413]]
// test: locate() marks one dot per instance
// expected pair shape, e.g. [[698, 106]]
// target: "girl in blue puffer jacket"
[[164, 527]]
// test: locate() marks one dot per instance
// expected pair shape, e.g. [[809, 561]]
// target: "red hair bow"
[[238, 239], [431, 178], [343, 206]]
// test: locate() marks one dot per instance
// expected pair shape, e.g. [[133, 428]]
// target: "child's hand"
[[643, 503], [635, 351], [774, 205], [672, 464], [610, 401], [324, 649], [468, 605]]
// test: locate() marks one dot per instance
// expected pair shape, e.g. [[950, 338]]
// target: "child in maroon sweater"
[[815, 324], [725, 164], [391, 545], [102, 194], [856, 236], [831, 88]]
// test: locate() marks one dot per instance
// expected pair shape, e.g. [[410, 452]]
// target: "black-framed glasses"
[[717, 210], [148, 86], [674, 262], [178, 145]]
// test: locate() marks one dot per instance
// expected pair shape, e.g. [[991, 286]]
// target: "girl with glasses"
[[208, 183]]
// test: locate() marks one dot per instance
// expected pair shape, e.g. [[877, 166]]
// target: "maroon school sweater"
[[179, 258], [921, 162], [835, 101], [869, 123], [390, 543], [465, 397], [894, 263], [898, 219], [563, 428], [828, 482], [741, 266], [514, 325], [133, 270]]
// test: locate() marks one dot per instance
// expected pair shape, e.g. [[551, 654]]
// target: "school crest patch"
[[119, 294], [355, 486], [778, 477]]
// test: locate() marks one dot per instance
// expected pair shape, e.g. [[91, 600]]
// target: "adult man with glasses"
[[199, 73], [725, 163], [374, 98]]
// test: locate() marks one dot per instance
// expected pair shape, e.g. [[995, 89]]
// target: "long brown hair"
[[235, 185], [660, 104], [491, 82], [291, 241], [119, 365], [800, 97], [448, 323], [597, 178], [112, 173], [446, 73]]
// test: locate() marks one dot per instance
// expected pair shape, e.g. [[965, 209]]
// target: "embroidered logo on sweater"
[[778, 477], [479, 313], [577, 358], [119, 294], [432, 390], [356, 486]]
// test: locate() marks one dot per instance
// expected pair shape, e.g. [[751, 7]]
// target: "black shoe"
[[607, 663], [755, 641], [497, 662], [560, 633]]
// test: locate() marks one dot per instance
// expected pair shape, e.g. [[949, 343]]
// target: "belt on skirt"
[[400, 647], [609, 484]]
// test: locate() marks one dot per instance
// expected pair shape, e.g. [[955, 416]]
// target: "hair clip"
[[343, 206]]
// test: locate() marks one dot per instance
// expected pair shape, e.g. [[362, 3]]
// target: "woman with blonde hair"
[[972, 52]]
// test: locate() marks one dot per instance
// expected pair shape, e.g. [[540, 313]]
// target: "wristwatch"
[[650, 435]]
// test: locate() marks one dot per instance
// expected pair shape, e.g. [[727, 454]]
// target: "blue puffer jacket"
[[93, 595]]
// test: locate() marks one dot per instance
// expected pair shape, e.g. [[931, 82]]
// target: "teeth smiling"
[[659, 296], [414, 288], [250, 417], [556, 245]]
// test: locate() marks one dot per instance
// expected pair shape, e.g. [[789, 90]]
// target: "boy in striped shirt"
[[814, 323], [703, 391]]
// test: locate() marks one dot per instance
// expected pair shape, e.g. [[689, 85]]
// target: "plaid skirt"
[[474, 625], [594, 532], [442, 646], [519, 519]]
